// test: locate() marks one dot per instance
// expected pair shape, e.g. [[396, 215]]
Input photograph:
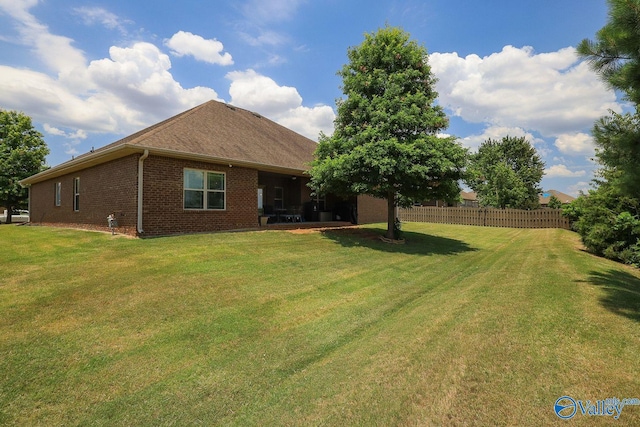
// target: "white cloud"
[[561, 171], [56, 52], [260, 17], [131, 89], [551, 93], [579, 187], [53, 130], [185, 43], [497, 133], [138, 78], [256, 92], [49, 100], [72, 140], [78, 134], [309, 121], [261, 11], [575, 144], [282, 104], [265, 37], [18, 9], [92, 15]]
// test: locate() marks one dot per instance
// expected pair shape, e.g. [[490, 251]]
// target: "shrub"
[[608, 223]]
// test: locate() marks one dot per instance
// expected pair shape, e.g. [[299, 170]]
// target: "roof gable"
[[222, 131], [546, 196], [213, 131]]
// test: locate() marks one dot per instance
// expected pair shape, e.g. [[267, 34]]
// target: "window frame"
[[206, 192], [76, 194], [57, 193]]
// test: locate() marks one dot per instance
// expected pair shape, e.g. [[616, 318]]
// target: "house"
[[545, 196], [214, 167], [469, 199]]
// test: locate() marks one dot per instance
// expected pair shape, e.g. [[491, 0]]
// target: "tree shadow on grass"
[[622, 292], [416, 243]]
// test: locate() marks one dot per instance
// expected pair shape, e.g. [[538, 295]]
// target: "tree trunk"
[[391, 215], [7, 204]]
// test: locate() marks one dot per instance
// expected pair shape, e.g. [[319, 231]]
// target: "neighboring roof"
[[469, 195], [564, 198], [544, 197], [213, 131]]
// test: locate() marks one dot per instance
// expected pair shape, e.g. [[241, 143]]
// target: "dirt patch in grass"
[[340, 231]]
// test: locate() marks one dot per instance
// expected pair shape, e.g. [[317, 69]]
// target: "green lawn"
[[460, 326]]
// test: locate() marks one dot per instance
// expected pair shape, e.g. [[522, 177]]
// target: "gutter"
[[140, 189], [119, 151]]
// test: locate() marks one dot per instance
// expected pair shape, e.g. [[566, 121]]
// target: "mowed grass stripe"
[[463, 325]]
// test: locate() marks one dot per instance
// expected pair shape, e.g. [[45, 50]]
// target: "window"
[[57, 187], [204, 190], [260, 197], [76, 194], [278, 199]]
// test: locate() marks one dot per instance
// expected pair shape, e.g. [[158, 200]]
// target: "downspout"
[[140, 192], [29, 203]]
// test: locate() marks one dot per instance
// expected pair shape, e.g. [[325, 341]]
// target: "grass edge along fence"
[[486, 217]]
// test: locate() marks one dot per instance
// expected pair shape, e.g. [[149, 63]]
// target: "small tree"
[[386, 141], [506, 173], [22, 154], [554, 202]]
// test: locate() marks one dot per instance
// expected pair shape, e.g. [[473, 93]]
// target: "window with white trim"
[[204, 190], [76, 194], [57, 187]]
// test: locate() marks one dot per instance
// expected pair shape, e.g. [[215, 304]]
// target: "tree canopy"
[[22, 154], [386, 141], [617, 140], [554, 202], [608, 217], [615, 52], [506, 173]]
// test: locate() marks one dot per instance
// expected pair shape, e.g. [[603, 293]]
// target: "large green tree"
[[615, 52], [608, 217], [617, 140], [386, 141], [615, 56], [506, 173], [22, 154]]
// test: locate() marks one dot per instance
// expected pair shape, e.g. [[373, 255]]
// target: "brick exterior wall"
[[163, 209], [105, 188], [371, 210], [113, 187]]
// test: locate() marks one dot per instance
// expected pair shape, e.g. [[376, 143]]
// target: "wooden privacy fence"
[[487, 217]]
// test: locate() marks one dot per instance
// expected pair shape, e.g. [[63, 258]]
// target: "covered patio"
[[287, 199]]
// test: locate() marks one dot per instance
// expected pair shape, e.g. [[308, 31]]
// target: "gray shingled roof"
[[223, 131], [546, 196], [213, 131]]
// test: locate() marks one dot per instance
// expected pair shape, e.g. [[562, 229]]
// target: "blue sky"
[[89, 73]]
